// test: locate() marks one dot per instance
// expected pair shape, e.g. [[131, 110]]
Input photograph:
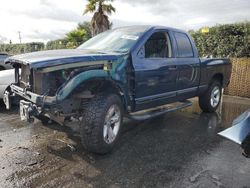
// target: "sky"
[[44, 20]]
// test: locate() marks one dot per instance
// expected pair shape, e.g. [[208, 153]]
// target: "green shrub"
[[57, 44], [22, 48], [229, 40]]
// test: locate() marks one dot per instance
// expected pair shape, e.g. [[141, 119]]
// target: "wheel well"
[[218, 77], [97, 86]]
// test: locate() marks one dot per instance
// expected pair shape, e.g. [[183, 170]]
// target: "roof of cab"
[[149, 27]]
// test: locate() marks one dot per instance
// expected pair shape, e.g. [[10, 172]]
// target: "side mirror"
[[141, 53]]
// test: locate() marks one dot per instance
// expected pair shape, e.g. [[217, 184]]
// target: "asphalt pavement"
[[179, 149]]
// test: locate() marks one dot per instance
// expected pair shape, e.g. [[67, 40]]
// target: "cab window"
[[158, 46]]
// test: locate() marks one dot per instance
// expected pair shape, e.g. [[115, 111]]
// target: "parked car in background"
[[3, 57], [131, 71], [6, 78]]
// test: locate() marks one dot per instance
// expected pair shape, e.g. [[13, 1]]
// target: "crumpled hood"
[[50, 58]]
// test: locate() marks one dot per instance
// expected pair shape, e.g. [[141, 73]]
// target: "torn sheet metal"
[[240, 128]]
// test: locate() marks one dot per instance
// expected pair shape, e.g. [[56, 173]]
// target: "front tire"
[[210, 100], [101, 123]]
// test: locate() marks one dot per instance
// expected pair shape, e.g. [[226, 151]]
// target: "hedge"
[[57, 44], [22, 48], [230, 40]]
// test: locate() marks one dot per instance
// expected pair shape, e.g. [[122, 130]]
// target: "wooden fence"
[[240, 78]]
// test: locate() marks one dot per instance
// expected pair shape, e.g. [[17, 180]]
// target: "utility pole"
[[20, 38]]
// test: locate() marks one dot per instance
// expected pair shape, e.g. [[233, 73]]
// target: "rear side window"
[[184, 46]]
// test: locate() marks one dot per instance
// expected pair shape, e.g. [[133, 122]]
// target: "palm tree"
[[76, 37], [101, 9]]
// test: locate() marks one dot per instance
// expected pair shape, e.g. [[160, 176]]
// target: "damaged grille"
[[41, 83], [47, 83]]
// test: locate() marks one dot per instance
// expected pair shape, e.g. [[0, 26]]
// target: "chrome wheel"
[[112, 124], [215, 96]]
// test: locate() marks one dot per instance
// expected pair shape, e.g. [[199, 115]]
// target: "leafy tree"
[[101, 10]]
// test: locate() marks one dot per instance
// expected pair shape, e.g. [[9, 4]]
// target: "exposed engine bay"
[[47, 83]]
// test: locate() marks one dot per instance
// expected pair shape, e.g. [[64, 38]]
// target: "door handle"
[[172, 67]]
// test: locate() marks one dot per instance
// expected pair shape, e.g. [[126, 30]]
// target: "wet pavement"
[[180, 149]]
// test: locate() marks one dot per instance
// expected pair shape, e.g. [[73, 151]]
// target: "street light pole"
[[20, 38]]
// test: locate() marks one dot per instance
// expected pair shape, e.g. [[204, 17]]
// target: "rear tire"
[[101, 123], [210, 100]]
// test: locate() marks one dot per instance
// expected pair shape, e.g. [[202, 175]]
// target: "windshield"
[[117, 40]]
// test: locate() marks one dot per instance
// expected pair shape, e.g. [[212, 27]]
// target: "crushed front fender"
[[77, 80]]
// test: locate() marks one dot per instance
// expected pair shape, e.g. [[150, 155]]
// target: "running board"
[[160, 110]]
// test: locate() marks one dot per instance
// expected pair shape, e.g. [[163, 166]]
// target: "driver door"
[[156, 72]]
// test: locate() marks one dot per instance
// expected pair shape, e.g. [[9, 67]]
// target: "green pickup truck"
[[125, 72]]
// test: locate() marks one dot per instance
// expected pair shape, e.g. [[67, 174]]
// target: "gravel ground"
[[180, 149]]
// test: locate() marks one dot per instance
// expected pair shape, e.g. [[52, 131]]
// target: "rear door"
[[155, 71], [188, 65]]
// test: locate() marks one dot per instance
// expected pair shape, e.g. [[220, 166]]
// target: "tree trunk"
[[99, 23]]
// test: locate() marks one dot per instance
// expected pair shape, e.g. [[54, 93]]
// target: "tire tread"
[[204, 100], [91, 125]]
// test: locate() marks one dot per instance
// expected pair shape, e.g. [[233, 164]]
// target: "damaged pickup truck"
[[125, 72]]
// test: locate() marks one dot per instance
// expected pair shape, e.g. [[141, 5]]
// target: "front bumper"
[[27, 111], [31, 106], [40, 100]]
